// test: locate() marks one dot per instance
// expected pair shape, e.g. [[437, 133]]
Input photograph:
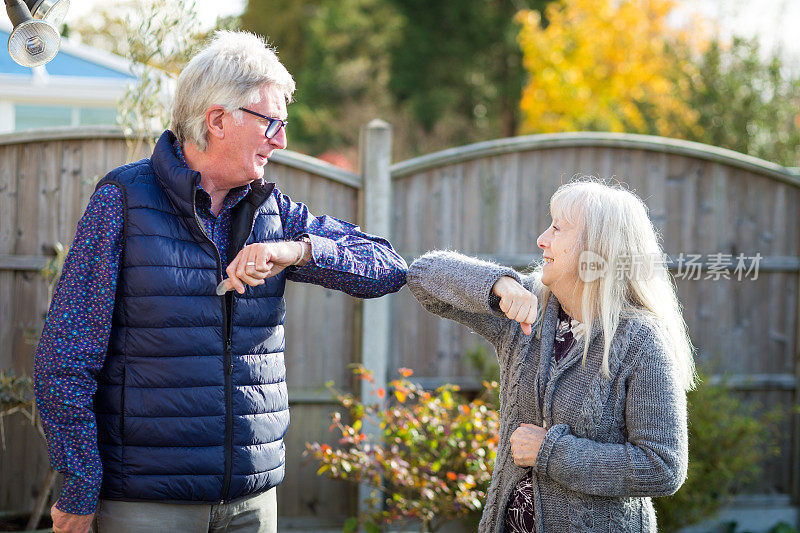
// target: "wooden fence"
[[46, 179], [491, 199], [488, 199]]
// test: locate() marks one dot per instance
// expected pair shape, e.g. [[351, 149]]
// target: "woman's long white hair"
[[613, 224]]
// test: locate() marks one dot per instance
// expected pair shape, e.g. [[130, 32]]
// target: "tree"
[[605, 65], [748, 103], [441, 72], [338, 53], [159, 38], [458, 69]]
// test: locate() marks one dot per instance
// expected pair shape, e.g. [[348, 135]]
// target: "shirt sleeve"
[[342, 256], [73, 347]]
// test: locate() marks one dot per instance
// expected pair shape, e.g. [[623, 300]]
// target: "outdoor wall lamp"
[[35, 39]]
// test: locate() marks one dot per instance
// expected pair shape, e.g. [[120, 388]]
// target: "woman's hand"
[[517, 302], [525, 443]]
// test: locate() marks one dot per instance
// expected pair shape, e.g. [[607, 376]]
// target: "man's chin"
[[258, 172]]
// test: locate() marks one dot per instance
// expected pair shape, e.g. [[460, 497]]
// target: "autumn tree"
[[605, 65], [442, 73]]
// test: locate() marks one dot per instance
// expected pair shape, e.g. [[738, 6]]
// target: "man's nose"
[[279, 140]]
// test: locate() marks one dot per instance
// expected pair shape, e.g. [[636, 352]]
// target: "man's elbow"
[[388, 281]]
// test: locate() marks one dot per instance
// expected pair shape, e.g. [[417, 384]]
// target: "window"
[[28, 116], [103, 116]]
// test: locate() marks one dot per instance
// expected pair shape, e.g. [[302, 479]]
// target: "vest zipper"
[[226, 484], [227, 319], [227, 302]]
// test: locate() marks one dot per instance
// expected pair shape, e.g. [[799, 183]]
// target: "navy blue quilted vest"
[[191, 402]]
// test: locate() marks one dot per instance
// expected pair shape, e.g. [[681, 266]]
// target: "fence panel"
[[46, 179], [491, 200]]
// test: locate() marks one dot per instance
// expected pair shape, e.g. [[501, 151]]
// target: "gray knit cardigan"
[[611, 444]]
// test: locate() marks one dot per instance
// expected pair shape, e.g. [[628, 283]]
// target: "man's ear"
[[214, 123]]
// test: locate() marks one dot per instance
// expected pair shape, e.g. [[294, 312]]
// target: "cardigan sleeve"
[[458, 287], [653, 461]]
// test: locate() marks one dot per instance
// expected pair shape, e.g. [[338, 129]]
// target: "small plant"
[[159, 46], [431, 459], [727, 443], [17, 394]]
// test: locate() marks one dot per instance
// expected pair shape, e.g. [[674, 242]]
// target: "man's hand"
[[259, 261], [70, 523], [517, 302], [525, 443]]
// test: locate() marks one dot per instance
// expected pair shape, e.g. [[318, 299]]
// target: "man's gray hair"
[[230, 71]]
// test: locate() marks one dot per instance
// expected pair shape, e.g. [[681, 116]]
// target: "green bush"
[[435, 452], [432, 458], [727, 443]]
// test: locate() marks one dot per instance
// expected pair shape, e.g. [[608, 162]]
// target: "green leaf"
[[350, 525]]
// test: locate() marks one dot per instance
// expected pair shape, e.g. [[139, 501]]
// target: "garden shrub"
[[727, 443], [432, 459], [435, 451]]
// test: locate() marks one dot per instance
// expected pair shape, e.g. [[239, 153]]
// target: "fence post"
[[795, 416], [376, 156]]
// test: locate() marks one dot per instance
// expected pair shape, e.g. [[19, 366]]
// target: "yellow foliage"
[[607, 65]]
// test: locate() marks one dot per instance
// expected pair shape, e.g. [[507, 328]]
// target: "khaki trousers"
[[255, 514]]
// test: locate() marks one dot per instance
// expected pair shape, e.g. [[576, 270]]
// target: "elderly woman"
[[595, 364]]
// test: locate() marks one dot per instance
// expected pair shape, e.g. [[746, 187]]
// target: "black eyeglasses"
[[274, 124]]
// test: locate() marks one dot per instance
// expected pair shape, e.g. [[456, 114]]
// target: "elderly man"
[[160, 397]]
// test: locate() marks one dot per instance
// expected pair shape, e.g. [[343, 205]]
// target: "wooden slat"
[[576, 140]]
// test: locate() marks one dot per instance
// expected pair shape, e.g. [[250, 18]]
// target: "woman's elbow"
[[669, 480]]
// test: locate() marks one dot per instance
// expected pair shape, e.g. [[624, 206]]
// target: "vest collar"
[[180, 182]]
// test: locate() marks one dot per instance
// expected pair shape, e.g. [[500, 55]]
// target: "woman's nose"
[[540, 241]]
